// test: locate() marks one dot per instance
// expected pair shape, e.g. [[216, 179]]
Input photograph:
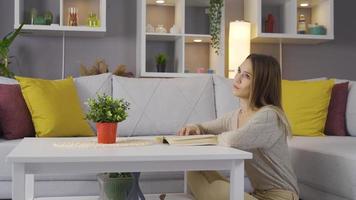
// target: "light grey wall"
[[333, 59], [40, 56]]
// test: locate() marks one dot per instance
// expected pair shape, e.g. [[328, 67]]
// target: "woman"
[[258, 126]]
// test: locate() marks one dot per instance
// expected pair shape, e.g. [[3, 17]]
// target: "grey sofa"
[[325, 166]]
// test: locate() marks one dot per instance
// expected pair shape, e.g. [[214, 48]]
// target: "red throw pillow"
[[336, 122], [15, 118]]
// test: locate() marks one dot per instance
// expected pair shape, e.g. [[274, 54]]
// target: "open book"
[[192, 140]]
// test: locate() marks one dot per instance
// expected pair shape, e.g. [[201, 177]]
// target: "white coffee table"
[[42, 156]]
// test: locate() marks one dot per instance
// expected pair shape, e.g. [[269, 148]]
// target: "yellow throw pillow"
[[55, 107], [306, 105]]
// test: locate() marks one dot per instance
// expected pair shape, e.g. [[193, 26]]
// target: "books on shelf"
[[190, 140]]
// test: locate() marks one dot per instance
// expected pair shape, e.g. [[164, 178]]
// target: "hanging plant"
[[215, 15]]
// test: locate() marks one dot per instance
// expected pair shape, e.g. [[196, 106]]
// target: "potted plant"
[[115, 186], [161, 60], [106, 112], [4, 53]]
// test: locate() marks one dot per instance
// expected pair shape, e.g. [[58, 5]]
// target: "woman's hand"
[[189, 130]]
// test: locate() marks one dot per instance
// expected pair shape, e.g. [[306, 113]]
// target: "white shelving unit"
[[59, 9], [188, 49], [286, 13]]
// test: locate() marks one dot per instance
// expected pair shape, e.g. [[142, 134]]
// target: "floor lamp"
[[239, 44]]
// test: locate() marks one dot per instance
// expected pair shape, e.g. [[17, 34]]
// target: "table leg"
[[18, 181], [30, 186], [237, 180], [185, 182]]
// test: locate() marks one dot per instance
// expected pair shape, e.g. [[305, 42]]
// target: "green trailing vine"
[[215, 15]]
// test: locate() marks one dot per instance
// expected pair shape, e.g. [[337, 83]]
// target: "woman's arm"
[[217, 126], [261, 132]]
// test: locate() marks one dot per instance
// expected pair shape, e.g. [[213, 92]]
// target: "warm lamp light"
[[239, 44]]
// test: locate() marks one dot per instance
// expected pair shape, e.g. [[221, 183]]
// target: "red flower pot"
[[106, 133]]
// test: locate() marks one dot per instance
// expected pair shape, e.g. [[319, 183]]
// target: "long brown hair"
[[266, 86]]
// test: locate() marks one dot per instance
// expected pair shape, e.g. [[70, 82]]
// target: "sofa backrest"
[[162, 106], [224, 99], [350, 107], [89, 86]]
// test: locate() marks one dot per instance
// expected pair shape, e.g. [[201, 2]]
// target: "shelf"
[[291, 38], [285, 14], [59, 9], [189, 38], [171, 48], [199, 55], [184, 54], [282, 12], [163, 36], [62, 28], [196, 17], [168, 14], [173, 196], [317, 12], [84, 8]]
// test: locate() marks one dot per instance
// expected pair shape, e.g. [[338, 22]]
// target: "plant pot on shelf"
[[161, 67], [114, 188], [106, 133]]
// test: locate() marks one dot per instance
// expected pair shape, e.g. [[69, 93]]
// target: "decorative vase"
[[114, 188], [160, 29], [106, 133], [161, 67]]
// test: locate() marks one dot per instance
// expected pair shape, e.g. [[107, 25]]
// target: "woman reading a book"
[[258, 126]]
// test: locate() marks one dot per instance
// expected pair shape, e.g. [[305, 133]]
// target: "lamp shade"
[[239, 44]]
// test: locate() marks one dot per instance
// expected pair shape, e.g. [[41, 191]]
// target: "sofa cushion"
[[89, 86], [351, 109], [15, 118], [335, 121], [225, 101], [306, 105], [162, 106], [54, 107], [4, 80], [326, 163]]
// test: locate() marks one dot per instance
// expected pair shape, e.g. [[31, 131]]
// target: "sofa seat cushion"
[[162, 106], [326, 163]]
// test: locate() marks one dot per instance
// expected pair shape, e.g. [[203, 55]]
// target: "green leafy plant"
[[4, 53], [115, 185], [119, 175], [161, 59], [106, 109], [215, 14]]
